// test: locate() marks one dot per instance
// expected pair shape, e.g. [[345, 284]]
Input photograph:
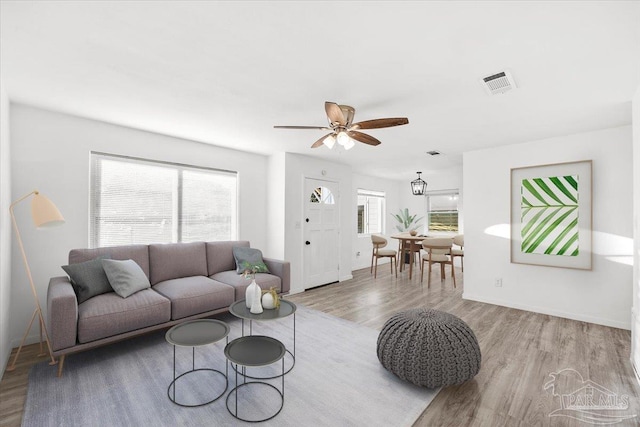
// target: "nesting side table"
[[253, 351], [196, 333], [287, 308]]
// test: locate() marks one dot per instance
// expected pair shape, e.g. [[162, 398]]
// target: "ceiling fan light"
[[329, 141], [343, 138], [349, 144]]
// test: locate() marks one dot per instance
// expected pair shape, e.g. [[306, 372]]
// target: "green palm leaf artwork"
[[549, 215]]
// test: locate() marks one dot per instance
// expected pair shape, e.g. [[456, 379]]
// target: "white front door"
[[321, 232]]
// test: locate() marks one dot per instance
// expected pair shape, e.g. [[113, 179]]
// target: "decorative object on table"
[[551, 215], [256, 301], [413, 232], [44, 214], [250, 292], [429, 348], [407, 222], [344, 131], [253, 289], [418, 186], [270, 299]]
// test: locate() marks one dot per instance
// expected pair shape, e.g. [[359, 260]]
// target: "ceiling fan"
[[344, 131]]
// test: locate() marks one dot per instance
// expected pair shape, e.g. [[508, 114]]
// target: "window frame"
[[451, 192], [95, 176], [373, 194]]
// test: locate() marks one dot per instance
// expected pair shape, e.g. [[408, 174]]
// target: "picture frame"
[[551, 215]]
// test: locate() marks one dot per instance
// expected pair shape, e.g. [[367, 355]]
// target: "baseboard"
[[543, 310], [344, 278], [635, 370]]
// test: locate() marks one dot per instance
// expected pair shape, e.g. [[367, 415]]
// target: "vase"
[[256, 303], [250, 293], [268, 301], [413, 232]]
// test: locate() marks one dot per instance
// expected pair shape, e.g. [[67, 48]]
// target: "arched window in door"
[[322, 195]]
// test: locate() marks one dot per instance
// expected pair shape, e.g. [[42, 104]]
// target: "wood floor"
[[519, 351]]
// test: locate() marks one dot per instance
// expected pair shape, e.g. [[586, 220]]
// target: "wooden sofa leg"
[[60, 365]]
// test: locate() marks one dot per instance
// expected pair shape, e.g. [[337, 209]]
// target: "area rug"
[[337, 380]]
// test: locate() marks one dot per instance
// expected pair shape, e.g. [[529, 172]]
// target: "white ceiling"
[[225, 72]]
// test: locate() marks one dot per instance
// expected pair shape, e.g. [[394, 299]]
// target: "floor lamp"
[[45, 214]]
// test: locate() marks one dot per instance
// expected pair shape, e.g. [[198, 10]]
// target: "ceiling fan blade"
[[380, 123], [334, 113], [363, 137], [320, 142], [303, 127]]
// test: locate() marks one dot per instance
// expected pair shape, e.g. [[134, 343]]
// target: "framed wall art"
[[551, 215]]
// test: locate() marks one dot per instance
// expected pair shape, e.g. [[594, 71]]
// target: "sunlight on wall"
[[612, 247]]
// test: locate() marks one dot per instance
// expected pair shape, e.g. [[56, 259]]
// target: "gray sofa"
[[188, 281]]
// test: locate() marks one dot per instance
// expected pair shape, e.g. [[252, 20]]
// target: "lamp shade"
[[329, 141], [418, 186], [45, 214]]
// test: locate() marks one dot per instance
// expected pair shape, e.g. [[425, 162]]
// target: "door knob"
[[307, 242]]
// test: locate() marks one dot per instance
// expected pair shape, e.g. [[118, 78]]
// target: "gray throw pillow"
[[126, 277], [249, 259], [88, 278]]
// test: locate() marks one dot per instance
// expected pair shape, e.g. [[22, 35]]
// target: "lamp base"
[[53, 361]]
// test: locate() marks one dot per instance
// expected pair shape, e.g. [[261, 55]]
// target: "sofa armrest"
[[62, 313], [282, 269]]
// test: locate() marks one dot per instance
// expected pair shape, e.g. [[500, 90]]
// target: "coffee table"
[[287, 308], [254, 351], [196, 333]]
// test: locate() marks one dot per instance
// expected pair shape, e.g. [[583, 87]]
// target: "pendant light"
[[418, 186]]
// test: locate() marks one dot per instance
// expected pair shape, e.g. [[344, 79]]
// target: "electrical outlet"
[[498, 282], [358, 253]]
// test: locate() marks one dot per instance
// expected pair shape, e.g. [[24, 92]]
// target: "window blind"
[[142, 201]]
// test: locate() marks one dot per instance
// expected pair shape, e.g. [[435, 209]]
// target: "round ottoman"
[[429, 348]]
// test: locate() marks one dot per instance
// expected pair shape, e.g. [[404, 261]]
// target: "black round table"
[[254, 351], [196, 333]]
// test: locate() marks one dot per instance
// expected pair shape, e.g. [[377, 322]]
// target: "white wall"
[[362, 244], [50, 152], [602, 295], [297, 168], [635, 322], [276, 205], [5, 231]]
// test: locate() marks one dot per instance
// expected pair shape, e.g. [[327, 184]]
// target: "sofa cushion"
[[249, 259], [126, 277], [88, 278], [264, 280], [194, 295], [138, 253], [220, 255], [108, 314], [176, 260]]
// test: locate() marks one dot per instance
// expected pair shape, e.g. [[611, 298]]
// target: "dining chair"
[[458, 241], [438, 251], [380, 242], [404, 248]]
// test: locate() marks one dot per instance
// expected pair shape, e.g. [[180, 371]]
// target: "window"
[[322, 195], [442, 211], [142, 201], [370, 212]]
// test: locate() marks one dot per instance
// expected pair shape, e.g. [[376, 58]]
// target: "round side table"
[[254, 351], [286, 309], [196, 333]]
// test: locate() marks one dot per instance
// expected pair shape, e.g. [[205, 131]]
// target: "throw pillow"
[[126, 277], [249, 259], [88, 278]]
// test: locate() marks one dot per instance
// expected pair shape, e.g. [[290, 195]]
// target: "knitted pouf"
[[429, 348]]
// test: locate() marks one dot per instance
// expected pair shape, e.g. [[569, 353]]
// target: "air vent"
[[499, 83], [434, 153]]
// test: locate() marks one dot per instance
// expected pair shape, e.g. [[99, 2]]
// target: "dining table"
[[412, 242]]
